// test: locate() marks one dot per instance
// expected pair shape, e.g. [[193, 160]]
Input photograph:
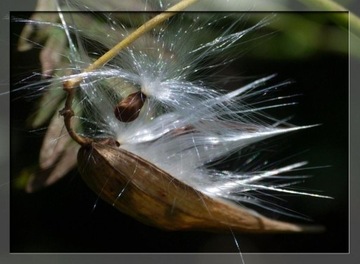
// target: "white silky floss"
[[186, 122]]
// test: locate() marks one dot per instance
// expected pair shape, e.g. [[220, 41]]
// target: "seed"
[[128, 109]]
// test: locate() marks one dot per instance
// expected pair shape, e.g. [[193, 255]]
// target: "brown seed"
[[128, 109], [152, 196]]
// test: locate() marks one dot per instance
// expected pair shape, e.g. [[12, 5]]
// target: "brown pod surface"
[[152, 196], [128, 109]]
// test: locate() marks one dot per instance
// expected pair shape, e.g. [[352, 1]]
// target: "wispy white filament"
[[186, 122]]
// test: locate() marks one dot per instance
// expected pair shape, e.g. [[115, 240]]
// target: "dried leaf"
[[45, 177], [52, 53], [54, 143], [34, 33], [57, 156], [49, 103]]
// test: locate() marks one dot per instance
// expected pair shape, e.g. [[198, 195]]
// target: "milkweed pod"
[[138, 188], [128, 109]]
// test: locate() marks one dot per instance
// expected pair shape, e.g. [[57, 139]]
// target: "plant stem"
[[330, 5], [68, 113], [147, 26]]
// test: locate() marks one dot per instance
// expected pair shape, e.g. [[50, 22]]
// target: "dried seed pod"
[[128, 109], [153, 197]]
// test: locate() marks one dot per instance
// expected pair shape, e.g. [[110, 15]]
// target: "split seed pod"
[[155, 168], [153, 197]]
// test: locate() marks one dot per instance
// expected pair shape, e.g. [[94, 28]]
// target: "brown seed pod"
[[138, 188], [128, 109]]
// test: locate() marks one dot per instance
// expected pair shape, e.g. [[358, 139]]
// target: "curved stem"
[[68, 113]]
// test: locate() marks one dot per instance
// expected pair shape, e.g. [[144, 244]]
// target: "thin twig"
[[68, 113], [147, 26]]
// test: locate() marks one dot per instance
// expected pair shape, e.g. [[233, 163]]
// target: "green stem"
[[330, 5]]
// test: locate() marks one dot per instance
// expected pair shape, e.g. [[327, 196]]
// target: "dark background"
[[61, 218]]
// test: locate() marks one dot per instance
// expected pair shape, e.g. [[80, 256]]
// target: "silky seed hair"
[[183, 119]]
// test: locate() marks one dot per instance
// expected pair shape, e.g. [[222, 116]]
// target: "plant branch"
[[68, 113], [147, 26]]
